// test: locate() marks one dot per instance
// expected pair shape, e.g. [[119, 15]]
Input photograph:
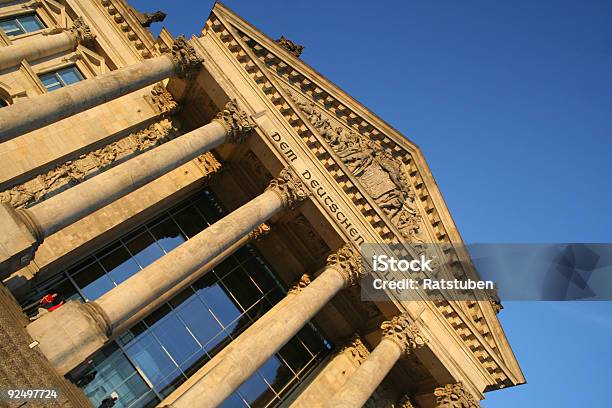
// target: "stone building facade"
[[199, 205]]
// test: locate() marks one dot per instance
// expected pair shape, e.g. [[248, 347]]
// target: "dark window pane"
[[184, 295], [311, 340], [234, 401], [195, 362], [66, 291], [119, 265], [145, 249], [243, 288], [70, 75], [220, 304], [168, 235], [276, 373], [157, 315], [226, 267], [30, 23], [190, 221], [295, 354], [259, 309], [209, 211], [199, 320], [93, 281], [256, 392], [244, 253], [206, 281], [175, 338], [149, 356], [11, 28], [259, 274]]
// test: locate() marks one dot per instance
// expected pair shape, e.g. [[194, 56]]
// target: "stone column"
[[53, 42], [42, 110], [400, 337], [68, 335], [43, 219], [454, 396], [254, 347]]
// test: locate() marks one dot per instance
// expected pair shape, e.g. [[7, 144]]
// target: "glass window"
[[61, 78], [25, 23], [160, 352]]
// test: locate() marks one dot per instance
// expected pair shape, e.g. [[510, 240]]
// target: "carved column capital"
[[186, 60], [406, 402], [403, 332], [235, 121], [355, 350], [289, 187], [454, 396], [347, 261], [259, 232], [81, 32], [299, 285]]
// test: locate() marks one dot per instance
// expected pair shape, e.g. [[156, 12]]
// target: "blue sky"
[[511, 103]]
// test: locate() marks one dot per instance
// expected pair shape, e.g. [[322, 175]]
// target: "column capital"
[[185, 58], [299, 285], [355, 350], [347, 261], [257, 233], [289, 187], [405, 402], [403, 332], [235, 121], [454, 396], [81, 32]]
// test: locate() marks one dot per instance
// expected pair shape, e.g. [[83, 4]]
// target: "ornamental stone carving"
[[299, 285], [259, 232], [454, 396], [495, 301], [149, 18], [403, 332], [405, 402], [89, 164], [235, 121], [185, 58], [162, 100], [347, 261], [81, 32], [355, 350], [384, 177], [289, 187], [290, 46]]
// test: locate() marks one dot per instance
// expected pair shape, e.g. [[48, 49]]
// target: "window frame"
[[16, 17], [56, 73]]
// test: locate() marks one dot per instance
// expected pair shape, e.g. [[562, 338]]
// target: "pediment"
[[389, 170]]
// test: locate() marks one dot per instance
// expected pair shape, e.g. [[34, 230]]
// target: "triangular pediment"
[[420, 215]]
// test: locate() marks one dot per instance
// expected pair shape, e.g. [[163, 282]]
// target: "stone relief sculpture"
[[87, 165], [384, 177]]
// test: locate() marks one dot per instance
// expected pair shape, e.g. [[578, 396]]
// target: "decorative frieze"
[[454, 396], [87, 165], [347, 261], [289, 188], [403, 332], [185, 58], [237, 122], [162, 100], [385, 178], [290, 46]]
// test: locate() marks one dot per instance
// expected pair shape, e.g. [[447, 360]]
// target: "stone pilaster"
[[235, 121], [454, 396], [289, 188]]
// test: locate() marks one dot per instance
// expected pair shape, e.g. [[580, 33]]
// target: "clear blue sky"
[[511, 103]]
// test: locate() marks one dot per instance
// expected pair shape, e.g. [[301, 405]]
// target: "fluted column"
[[42, 110], [253, 348], [43, 219], [68, 335], [400, 337], [454, 396], [38, 47]]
